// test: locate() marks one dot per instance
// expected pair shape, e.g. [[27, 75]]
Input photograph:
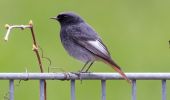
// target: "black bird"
[[82, 42]]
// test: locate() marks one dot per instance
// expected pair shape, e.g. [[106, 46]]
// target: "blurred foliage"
[[136, 32]]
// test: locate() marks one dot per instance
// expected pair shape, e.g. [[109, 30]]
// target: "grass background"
[[135, 31]]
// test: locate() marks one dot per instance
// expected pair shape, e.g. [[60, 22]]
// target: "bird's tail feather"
[[118, 69]]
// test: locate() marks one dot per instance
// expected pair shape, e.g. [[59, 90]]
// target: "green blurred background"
[[135, 31]]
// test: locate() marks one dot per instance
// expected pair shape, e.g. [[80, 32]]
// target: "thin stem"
[[35, 46], [35, 49], [33, 35]]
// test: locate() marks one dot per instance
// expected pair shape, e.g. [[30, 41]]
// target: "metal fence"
[[103, 77]]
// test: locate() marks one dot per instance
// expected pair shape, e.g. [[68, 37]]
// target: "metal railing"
[[84, 76]]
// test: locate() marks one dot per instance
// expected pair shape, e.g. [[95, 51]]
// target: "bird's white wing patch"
[[99, 46]]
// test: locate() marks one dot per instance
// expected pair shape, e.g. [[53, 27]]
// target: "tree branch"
[[35, 45]]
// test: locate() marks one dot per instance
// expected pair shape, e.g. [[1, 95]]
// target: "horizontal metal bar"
[[84, 76]]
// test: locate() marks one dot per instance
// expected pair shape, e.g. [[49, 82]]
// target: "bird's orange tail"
[[117, 68], [122, 73]]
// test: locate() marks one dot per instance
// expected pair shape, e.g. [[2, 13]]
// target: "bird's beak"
[[53, 18]]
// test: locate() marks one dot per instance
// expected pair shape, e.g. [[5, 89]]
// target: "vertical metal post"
[[11, 89], [133, 89], [103, 85], [73, 97], [42, 83], [163, 89]]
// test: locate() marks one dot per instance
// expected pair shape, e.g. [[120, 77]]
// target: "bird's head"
[[68, 18]]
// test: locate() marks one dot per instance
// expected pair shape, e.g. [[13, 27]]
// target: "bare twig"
[[10, 27], [44, 57], [35, 45], [35, 49]]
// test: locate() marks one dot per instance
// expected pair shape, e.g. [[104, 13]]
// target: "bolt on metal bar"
[[42, 83], [103, 85], [73, 97], [163, 89], [11, 89], [133, 89]]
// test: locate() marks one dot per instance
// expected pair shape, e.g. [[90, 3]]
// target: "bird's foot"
[[79, 74]]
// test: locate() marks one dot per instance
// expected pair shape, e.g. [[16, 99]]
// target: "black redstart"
[[82, 42]]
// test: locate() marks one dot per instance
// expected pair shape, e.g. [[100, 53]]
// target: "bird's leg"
[[84, 66], [89, 66], [78, 73]]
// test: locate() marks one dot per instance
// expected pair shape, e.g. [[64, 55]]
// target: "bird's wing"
[[94, 46], [85, 36]]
